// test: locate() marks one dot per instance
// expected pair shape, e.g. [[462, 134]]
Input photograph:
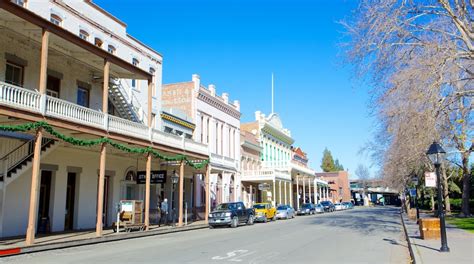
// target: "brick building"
[[339, 185]]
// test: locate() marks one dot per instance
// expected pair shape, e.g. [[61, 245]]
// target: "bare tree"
[[419, 56], [363, 175]]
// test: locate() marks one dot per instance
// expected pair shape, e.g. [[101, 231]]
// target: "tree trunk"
[[447, 204], [466, 185]]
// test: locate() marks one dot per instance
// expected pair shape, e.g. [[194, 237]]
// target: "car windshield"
[[306, 205], [259, 206], [226, 206], [282, 207], [325, 203]]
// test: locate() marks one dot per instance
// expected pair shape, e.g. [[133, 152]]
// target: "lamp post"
[[436, 154], [414, 180], [174, 180]]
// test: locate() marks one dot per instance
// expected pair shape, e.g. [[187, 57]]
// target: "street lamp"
[[437, 154], [174, 180], [414, 180]]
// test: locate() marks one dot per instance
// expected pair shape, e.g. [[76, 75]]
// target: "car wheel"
[[274, 218], [235, 222], [287, 216], [265, 219], [250, 220]]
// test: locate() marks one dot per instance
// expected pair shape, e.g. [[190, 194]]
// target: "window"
[[20, 2], [98, 42], [83, 96], [83, 34], [55, 19], [168, 130], [135, 62], [153, 89], [111, 49], [14, 74]]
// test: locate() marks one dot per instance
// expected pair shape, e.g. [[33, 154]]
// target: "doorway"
[[53, 86], [70, 201], [44, 202]]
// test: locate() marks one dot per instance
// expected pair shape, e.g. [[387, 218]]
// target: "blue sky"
[[237, 44]]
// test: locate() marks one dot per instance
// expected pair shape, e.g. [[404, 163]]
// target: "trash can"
[[429, 228]]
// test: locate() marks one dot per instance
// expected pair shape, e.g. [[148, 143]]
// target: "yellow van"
[[264, 212]]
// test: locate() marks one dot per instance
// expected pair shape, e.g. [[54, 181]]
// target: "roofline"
[[100, 9]]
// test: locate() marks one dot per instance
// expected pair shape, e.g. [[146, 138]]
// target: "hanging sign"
[[430, 179], [156, 177], [264, 186]]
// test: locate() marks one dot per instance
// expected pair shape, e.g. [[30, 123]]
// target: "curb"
[[92, 241], [407, 237]]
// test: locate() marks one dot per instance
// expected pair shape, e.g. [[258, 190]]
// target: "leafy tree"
[[338, 166], [327, 163]]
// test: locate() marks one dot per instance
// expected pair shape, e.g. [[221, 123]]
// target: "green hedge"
[[456, 204]]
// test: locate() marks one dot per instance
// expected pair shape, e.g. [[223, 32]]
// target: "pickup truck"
[[231, 214]]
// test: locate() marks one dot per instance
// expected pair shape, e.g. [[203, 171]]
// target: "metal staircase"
[[21, 157], [126, 105]]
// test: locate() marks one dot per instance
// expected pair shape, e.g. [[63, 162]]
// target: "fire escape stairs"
[[122, 103]]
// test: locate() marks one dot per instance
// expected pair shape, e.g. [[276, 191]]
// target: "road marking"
[[234, 256]]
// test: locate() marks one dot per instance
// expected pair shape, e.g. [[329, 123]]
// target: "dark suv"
[[231, 214], [328, 206], [307, 209]]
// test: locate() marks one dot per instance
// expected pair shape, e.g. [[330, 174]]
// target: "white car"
[[339, 206]]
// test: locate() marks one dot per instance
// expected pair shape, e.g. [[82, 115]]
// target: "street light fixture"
[[174, 180], [437, 154]]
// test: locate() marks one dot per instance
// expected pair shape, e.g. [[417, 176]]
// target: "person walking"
[[164, 212]]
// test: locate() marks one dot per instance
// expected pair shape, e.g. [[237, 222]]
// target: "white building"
[[71, 66], [217, 122]]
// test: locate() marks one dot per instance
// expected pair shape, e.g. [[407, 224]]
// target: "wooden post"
[[35, 178], [304, 190], [44, 62], [181, 186], [105, 88], [100, 191], [147, 191], [309, 189], [297, 193], [208, 195]]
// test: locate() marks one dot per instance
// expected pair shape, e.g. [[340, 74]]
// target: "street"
[[361, 235]]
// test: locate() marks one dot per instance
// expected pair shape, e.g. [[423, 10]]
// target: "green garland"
[[88, 143]]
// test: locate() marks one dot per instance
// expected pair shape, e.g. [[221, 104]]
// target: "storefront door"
[[70, 201], [44, 202]]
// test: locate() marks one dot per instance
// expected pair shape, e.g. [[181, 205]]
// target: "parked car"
[[285, 212], [319, 208], [264, 212], [231, 214], [348, 205], [328, 206], [307, 209], [338, 207]]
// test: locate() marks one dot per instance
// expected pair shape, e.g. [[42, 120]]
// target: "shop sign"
[[156, 177], [264, 186], [430, 179]]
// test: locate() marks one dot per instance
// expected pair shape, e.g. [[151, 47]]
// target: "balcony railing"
[[21, 98], [265, 173], [223, 161]]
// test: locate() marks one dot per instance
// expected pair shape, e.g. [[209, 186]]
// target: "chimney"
[[197, 82], [212, 89], [258, 114], [225, 96], [237, 104]]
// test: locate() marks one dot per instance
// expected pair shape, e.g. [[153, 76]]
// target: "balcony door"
[[53, 86]]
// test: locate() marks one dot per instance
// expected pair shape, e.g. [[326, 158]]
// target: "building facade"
[[217, 122], [339, 185], [81, 122]]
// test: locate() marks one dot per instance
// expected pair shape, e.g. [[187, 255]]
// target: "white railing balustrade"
[[192, 145], [168, 139], [124, 126], [19, 97], [66, 110], [225, 161]]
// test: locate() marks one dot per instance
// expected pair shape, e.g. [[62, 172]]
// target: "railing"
[[66, 110], [265, 173], [280, 164], [120, 125], [224, 161], [19, 97], [19, 155], [133, 100]]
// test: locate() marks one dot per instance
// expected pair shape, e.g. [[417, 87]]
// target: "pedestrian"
[[164, 212]]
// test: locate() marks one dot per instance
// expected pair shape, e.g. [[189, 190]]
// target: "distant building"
[[339, 185]]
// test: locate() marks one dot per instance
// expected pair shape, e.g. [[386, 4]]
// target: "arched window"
[[135, 62], [98, 42], [55, 19], [131, 176], [111, 49], [83, 34]]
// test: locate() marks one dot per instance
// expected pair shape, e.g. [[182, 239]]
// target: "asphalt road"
[[360, 235]]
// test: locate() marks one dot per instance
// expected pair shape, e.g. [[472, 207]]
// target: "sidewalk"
[[460, 243], [80, 238]]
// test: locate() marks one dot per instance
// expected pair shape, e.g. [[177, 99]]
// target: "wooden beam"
[[35, 179], [100, 192], [147, 191], [150, 103], [44, 62], [105, 88], [181, 187], [208, 194]]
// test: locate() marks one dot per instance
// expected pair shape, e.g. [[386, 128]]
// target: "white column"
[[198, 128], [59, 199], [212, 135], [279, 192], [286, 189], [327, 193], [291, 194], [297, 193], [219, 138], [274, 194], [316, 193], [304, 191], [237, 144], [309, 189], [225, 140], [231, 143]]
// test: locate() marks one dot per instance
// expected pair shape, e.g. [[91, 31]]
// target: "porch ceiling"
[[27, 26]]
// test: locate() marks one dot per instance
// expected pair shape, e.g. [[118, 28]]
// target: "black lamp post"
[[174, 180], [436, 154], [414, 180]]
